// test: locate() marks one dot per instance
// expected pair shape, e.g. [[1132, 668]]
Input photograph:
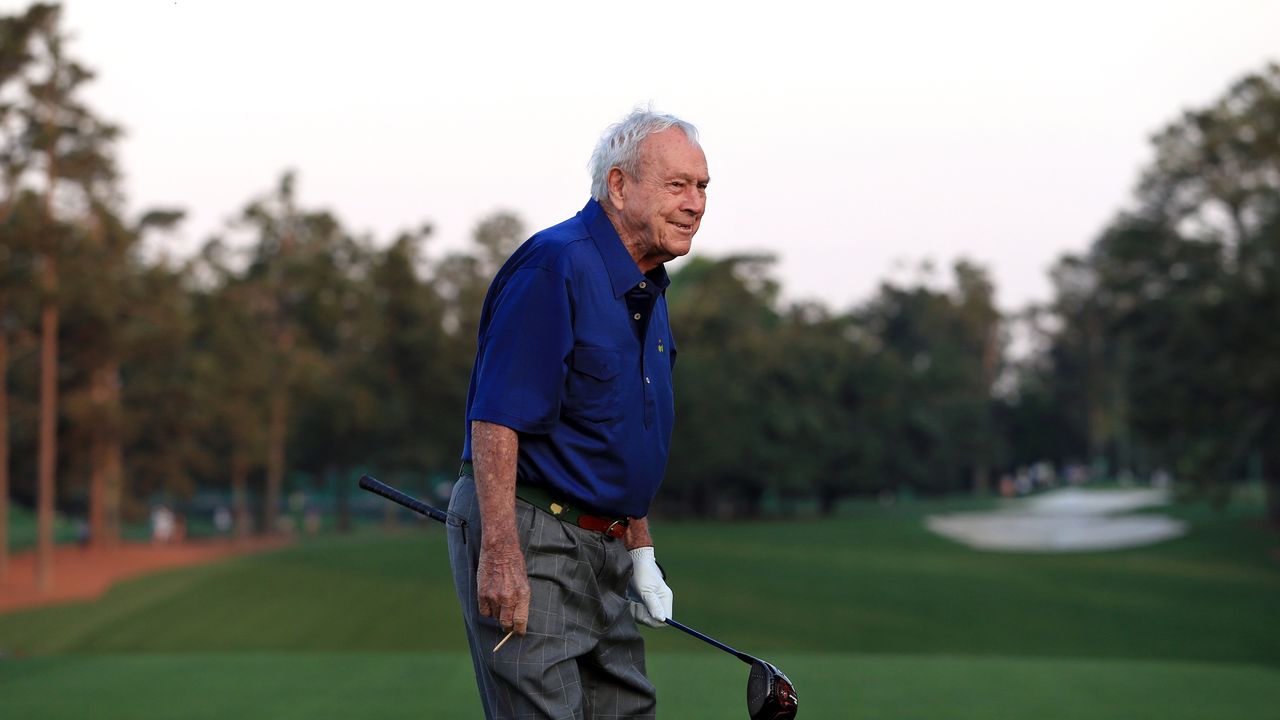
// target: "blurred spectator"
[[311, 520], [1022, 481], [1048, 475], [83, 533], [1076, 474], [162, 524], [1007, 488], [222, 519]]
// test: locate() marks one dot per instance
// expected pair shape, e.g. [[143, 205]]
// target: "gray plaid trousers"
[[582, 657]]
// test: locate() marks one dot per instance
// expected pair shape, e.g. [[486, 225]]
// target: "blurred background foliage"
[[291, 354]]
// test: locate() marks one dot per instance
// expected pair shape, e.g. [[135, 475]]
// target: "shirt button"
[[646, 379], [636, 316], [643, 285]]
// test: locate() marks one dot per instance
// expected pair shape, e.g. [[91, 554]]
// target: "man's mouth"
[[683, 227]]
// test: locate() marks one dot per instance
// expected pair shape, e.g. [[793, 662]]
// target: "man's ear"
[[617, 183]]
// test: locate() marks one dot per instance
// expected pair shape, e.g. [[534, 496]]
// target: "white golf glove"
[[647, 584]]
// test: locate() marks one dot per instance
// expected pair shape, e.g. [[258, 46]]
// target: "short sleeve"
[[521, 361]]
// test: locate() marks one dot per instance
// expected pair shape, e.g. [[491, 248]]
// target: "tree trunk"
[[276, 427], [47, 454], [97, 461], [5, 208], [48, 447], [4, 446], [105, 455], [240, 495], [114, 470], [97, 485]]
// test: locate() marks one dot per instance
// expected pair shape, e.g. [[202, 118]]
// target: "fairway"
[[439, 686], [869, 614]]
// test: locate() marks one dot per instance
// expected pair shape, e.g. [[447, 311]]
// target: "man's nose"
[[694, 200]]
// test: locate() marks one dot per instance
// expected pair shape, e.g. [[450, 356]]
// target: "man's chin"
[[677, 247]]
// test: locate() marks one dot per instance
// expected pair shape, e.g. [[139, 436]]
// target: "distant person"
[[1077, 474], [1007, 487], [569, 419], [222, 520], [83, 533], [1022, 481], [162, 524], [311, 519]]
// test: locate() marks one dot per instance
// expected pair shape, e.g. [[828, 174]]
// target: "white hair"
[[619, 147]]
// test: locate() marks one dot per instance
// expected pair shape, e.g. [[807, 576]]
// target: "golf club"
[[770, 694]]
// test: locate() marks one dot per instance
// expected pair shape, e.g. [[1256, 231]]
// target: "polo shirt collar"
[[623, 272]]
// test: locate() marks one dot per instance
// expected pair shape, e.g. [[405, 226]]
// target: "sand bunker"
[[1068, 520]]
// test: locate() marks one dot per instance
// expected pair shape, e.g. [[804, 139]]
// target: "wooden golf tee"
[[504, 640]]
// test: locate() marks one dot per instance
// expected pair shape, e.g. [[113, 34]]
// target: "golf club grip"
[[378, 487], [712, 641]]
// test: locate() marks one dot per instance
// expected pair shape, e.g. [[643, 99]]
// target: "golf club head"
[[770, 694]]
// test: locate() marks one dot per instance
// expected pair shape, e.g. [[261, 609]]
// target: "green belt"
[[543, 499]]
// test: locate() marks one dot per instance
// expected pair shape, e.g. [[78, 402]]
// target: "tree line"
[[1160, 349], [290, 350]]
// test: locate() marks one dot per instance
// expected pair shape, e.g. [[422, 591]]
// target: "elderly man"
[[569, 419]]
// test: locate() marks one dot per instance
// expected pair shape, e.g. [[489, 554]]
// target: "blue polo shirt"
[[575, 354]]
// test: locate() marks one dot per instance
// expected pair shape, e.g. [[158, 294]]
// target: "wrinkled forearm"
[[493, 456]]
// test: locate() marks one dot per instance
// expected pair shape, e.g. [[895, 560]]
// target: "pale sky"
[[845, 138]]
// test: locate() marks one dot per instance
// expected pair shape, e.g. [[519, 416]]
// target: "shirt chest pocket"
[[594, 387]]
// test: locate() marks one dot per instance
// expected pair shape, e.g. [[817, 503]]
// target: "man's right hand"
[[503, 587]]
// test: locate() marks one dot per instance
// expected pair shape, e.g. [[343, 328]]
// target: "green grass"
[[315, 686], [867, 612]]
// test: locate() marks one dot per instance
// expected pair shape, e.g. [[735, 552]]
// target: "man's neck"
[[635, 245]]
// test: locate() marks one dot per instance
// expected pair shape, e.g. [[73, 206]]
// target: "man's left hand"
[[648, 585]]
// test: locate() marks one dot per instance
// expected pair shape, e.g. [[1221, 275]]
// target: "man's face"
[[662, 208]]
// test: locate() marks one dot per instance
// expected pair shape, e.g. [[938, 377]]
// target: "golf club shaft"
[[711, 641], [380, 488]]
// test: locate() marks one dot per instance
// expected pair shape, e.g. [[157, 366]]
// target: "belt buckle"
[[616, 523]]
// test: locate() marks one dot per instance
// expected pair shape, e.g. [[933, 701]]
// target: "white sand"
[[1067, 520]]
